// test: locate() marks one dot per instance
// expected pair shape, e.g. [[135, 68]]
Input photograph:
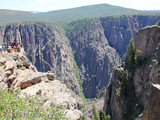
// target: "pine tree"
[[95, 113], [130, 55]]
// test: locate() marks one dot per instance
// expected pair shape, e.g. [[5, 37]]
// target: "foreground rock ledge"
[[17, 72]]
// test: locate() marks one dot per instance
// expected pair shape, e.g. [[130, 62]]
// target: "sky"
[[49, 5]]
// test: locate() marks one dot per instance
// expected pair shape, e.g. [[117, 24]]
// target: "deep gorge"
[[98, 46]]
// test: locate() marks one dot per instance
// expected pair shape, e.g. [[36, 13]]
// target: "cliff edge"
[[18, 73], [133, 92]]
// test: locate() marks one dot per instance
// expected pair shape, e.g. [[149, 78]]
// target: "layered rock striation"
[[93, 55], [96, 44], [119, 30], [46, 47], [142, 90]]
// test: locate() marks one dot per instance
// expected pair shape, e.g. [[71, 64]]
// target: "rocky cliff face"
[[46, 47], [16, 72], [144, 79], [94, 56], [95, 44], [119, 30]]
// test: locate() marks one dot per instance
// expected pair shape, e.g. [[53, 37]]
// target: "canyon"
[[96, 45], [81, 60]]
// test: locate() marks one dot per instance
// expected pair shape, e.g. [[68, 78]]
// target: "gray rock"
[[144, 81], [46, 47]]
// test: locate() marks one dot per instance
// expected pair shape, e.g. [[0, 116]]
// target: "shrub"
[[23, 68], [19, 64], [108, 117], [13, 107], [103, 116]]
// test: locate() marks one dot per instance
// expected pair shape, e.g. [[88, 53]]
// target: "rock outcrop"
[[119, 30], [97, 44], [46, 47], [93, 55], [113, 103], [14, 74], [144, 80]]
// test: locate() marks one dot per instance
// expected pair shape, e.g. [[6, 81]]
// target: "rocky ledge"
[[135, 93], [18, 73]]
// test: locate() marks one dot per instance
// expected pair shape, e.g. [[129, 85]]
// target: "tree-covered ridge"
[[78, 25], [91, 11], [62, 17]]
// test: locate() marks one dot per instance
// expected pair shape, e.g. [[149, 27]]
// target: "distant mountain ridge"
[[15, 16], [67, 15], [90, 11]]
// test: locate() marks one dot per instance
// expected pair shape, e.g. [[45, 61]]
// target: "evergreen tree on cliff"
[[95, 113], [130, 55]]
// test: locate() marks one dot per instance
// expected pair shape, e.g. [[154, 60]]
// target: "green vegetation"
[[84, 117], [79, 79], [13, 107], [19, 64], [76, 68], [13, 16], [95, 113], [131, 108], [133, 57], [77, 25], [138, 57], [63, 17], [23, 68], [99, 115], [124, 83], [130, 55], [103, 116], [91, 11]]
